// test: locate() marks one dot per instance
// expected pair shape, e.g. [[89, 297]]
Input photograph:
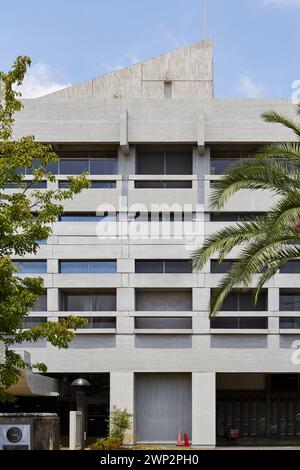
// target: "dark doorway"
[[262, 417]]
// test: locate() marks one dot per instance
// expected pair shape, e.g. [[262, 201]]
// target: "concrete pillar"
[[204, 409], [53, 300], [125, 299], [122, 396], [273, 299]]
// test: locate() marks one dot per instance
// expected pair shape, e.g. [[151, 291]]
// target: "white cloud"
[[39, 81], [129, 58], [282, 2], [247, 88]]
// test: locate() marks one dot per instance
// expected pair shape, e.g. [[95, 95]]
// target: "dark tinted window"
[[149, 266], [40, 305], [233, 216], [93, 184], [99, 322], [86, 301], [289, 322], [163, 184], [30, 322], [291, 267], [178, 266], [163, 266], [247, 323], [218, 166], [243, 301], [169, 162], [289, 300], [145, 323], [150, 163], [220, 268], [29, 185], [87, 217], [179, 163]]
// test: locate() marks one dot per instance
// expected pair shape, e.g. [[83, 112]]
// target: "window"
[[167, 89], [220, 268], [98, 322], [73, 167], [75, 162], [178, 266], [163, 300], [224, 266], [85, 301], [163, 216], [40, 305], [233, 216], [239, 301], [290, 267], [163, 184], [28, 184], [163, 266], [87, 217], [289, 300], [30, 322], [145, 266], [31, 267], [246, 323], [218, 166], [163, 323], [93, 184], [94, 163], [289, 323], [42, 242], [51, 167], [223, 156], [160, 162], [104, 166], [105, 266]]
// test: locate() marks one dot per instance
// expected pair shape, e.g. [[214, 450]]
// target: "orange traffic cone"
[[179, 440], [186, 441]]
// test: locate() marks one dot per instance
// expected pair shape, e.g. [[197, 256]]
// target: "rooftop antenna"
[[204, 19]]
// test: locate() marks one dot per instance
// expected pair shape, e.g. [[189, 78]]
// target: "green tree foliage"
[[270, 240], [26, 216]]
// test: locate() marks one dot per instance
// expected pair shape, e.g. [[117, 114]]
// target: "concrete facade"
[[124, 111]]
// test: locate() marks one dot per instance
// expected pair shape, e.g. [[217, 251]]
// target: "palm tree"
[[268, 241]]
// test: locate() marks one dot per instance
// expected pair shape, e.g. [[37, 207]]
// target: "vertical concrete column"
[[122, 396], [273, 299], [204, 409], [125, 299], [53, 300]]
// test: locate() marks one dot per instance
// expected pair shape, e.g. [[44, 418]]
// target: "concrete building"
[[154, 139]]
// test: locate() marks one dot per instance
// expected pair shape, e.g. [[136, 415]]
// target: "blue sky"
[[256, 42]]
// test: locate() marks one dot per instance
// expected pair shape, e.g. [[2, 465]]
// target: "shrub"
[[106, 443], [119, 422]]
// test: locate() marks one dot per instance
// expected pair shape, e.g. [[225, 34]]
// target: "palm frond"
[[254, 174], [288, 254], [277, 118], [226, 239], [287, 150], [267, 242], [254, 258]]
